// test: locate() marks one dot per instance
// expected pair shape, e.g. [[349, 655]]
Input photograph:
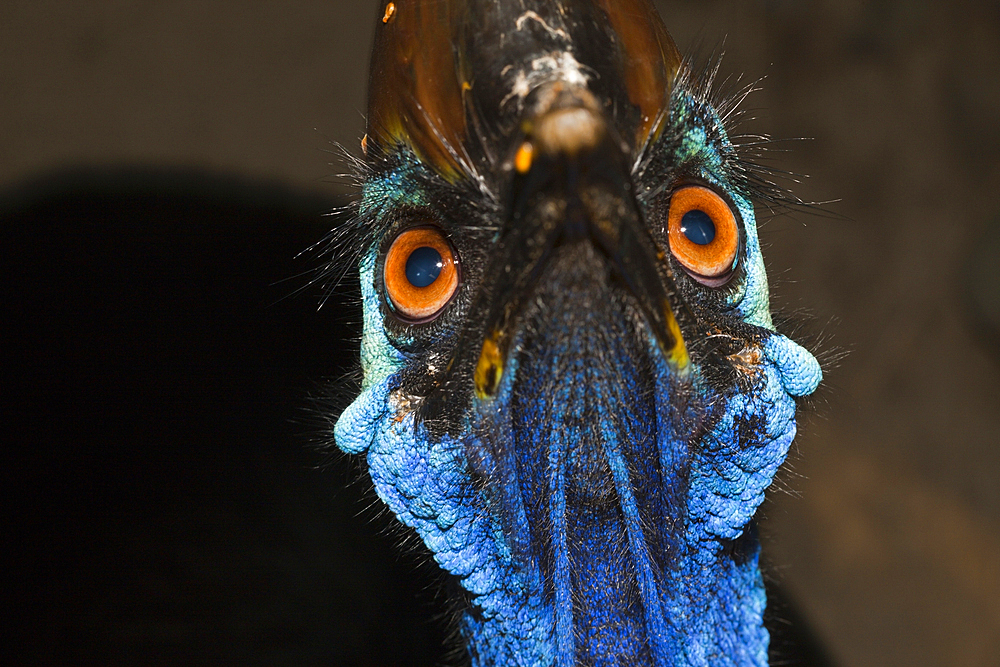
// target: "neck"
[[558, 578], [606, 507], [595, 534], [611, 559]]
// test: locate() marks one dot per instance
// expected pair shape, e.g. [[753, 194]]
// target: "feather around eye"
[[420, 274], [704, 235]]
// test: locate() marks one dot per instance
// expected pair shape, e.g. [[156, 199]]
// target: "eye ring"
[[703, 234], [420, 274]]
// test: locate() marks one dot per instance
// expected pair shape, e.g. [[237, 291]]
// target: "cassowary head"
[[573, 390]]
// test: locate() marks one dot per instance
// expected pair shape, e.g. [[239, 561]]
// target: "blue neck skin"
[[609, 508], [600, 538]]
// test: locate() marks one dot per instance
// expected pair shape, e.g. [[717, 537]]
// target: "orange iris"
[[419, 288], [704, 235]]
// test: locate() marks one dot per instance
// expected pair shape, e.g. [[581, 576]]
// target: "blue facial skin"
[[599, 509]]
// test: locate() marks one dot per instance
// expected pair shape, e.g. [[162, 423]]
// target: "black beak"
[[570, 183]]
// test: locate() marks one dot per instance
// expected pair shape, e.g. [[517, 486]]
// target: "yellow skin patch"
[[678, 355], [489, 368], [525, 154]]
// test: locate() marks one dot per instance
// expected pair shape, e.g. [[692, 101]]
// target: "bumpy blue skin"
[[667, 573]]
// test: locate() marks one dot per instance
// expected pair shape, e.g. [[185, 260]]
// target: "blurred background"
[[161, 166]]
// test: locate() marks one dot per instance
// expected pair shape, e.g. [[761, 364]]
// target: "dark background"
[[161, 165]]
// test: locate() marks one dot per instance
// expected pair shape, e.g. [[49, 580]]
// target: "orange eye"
[[420, 274], [703, 233]]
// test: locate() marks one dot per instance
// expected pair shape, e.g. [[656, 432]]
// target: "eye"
[[420, 274], [704, 235]]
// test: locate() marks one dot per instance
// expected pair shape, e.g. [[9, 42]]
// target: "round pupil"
[[423, 266], [697, 226]]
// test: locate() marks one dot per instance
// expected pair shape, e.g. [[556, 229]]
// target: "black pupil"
[[697, 226], [423, 266]]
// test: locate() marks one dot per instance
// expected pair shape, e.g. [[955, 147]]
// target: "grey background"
[[886, 526]]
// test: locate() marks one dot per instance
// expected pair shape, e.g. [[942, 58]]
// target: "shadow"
[[167, 502], [169, 505]]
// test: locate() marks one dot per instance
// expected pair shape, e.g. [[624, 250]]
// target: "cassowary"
[[573, 389]]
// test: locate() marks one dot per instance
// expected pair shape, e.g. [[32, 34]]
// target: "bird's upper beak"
[[570, 183]]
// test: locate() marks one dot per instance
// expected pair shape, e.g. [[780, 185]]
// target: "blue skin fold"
[[662, 569]]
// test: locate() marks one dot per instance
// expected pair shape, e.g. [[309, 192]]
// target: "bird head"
[[573, 389]]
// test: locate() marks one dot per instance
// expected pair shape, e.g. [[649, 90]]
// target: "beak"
[[569, 183]]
